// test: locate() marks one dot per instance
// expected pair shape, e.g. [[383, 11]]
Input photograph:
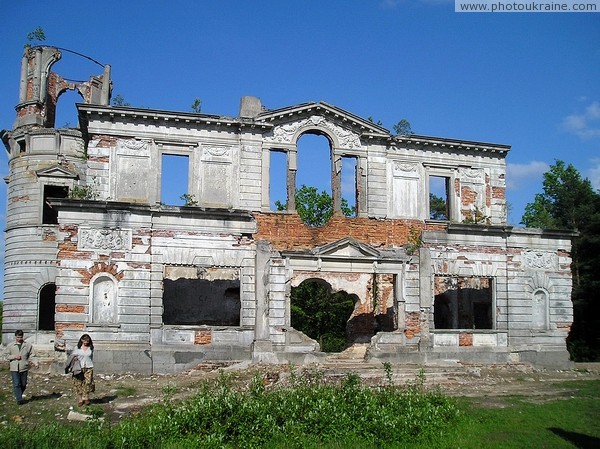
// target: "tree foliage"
[[569, 202], [403, 128], [437, 207], [321, 315], [35, 36], [315, 208]]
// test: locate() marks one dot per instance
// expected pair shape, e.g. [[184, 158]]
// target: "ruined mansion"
[[92, 248]]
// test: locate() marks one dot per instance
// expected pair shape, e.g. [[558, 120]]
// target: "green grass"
[[311, 412], [572, 421]]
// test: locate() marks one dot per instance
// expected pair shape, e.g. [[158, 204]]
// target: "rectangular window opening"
[[278, 180], [174, 180], [439, 204], [49, 214], [211, 297], [349, 186], [463, 303]]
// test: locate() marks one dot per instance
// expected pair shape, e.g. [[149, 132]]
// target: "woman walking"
[[83, 382]]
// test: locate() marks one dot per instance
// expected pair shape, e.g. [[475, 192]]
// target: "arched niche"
[[539, 309], [103, 299]]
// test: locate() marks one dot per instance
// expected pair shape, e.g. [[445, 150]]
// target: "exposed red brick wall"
[[69, 308], [105, 141], [465, 339], [468, 196], [100, 267], [61, 327], [103, 159], [498, 192], [203, 337], [413, 325], [287, 231]]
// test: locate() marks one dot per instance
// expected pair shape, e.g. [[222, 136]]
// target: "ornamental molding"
[[473, 175], [105, 239], [135, 145], [406, 167], [540, 260], [285, 133]]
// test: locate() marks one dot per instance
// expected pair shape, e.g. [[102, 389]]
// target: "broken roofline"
[[268, 120]]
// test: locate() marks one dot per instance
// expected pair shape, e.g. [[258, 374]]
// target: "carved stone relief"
[[472, 175], [540, 260], [105, 239], [285, 133]]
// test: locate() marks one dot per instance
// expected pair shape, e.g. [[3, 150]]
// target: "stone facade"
[[91, 248]]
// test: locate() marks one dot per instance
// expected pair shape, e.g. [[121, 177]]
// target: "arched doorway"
[[46, 309], [321, 314]]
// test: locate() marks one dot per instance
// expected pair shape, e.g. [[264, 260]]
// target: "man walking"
[[20, 355]]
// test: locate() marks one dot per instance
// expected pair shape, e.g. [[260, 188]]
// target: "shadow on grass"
[[578, 439], [44, 397]]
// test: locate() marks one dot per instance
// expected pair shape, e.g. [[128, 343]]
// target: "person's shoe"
[[80, 403], [21, 402]]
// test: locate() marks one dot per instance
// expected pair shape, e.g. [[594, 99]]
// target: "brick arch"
[[100, 267]]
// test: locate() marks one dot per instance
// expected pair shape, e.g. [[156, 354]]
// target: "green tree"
[[403, 128], [321, 315], [119, 100], [437, 207], [314, 208], [197, 105], [569, 202], [35, 36]]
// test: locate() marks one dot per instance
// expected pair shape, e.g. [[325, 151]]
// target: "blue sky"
[[529, 80]]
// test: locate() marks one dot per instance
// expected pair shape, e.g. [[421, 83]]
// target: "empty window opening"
[[174, 180], [47, 305], [212, 299], [314, 201], [322, 315], [278, 180], [66, 115], [49, 213], [439, 205], [349, 186], [463, 303]]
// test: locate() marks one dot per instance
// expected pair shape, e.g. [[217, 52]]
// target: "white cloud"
[[586, 124], [518, 174], [593, 174]]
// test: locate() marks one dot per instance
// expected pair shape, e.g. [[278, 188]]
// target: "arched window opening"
[[322, 315], [47, 305], [539, 310], [104, 300], [66, 111], [314, 199]]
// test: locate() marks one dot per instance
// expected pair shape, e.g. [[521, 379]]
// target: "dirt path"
[[50, 397]]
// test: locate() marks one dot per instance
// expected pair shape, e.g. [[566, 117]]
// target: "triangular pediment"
[[346, 248], [329, 112], [57, 171]]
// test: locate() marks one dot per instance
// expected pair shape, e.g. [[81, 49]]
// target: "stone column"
[[262, 348]]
